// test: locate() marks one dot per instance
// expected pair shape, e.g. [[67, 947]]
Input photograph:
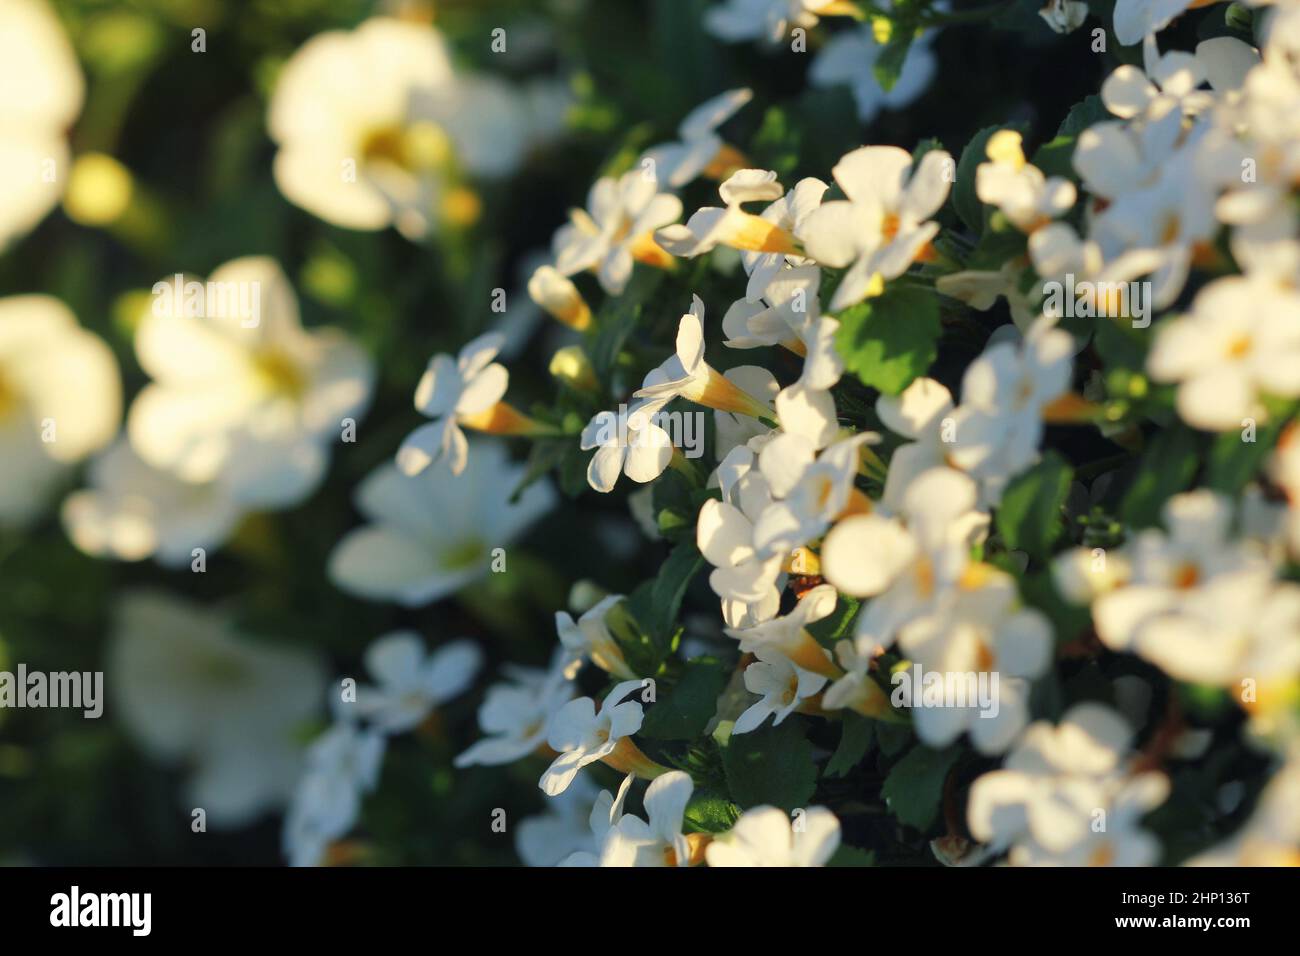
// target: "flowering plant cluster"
[[905, 497]]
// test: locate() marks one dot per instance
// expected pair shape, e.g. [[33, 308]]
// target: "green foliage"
[[915, 786], [889, 340], [1029, 517], [771, 765], [684, 711]]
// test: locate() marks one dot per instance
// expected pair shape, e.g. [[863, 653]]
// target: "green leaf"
[[855, 740], [891, 737], [689, 705], [840, 622], [1234, 462], [1166, 468], [1029, 518], [889, 64], [914, 788], [619, 316], [675, 575], [771, 765], [710, 812], [890, 340]]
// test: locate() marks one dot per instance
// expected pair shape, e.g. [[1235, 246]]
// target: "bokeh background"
[[190, 129]]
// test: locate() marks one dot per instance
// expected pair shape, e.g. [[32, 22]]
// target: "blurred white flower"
[[1136, 19], [191, 689], [372, 123], [433, 533], [241, 392], [1066, 796], [132, 511], [40, 71], [616, 229], [515, 714], [767, 836], [343, 765], [60, 400], [1018, 188], [849, 59], [574, 823], [411, 683], [884, 225], [1005, 394], [735, 21], [1240, 340], [700, 151]]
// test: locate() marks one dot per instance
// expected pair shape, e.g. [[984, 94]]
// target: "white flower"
[[978, 629], [766, 836], [628, 442], [582, 735], [781, 685], [700, 151], [411, 683], [132, 511], [724, 533], [558, 295], [1174, 77], [884, 225], [1197, 603], [1136, 19], [1082, 574], [590, 638], [606, 812], [1240, 340], [190, 689], [60, 400], [38, 66], [1019, 189], [849, 58], [788, 313], [465, 390], [616, 228], [1115, 158], [817, 495], [657, 840], [342, 767], [711, 226], [371, 123], [514, 715], [1058, 784], [687, 375], [1064, 16], [735, 21], [904, 562], [923, 413], [1004, 394], [1284, 469], [785, 214], [788, 635], [433, 533], [574, 823], [241, 391], [1174, 215], [732, 429]]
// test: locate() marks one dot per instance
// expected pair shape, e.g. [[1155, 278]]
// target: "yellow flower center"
[[280, 374], [9, 397], [463, 554], [419, 146]]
